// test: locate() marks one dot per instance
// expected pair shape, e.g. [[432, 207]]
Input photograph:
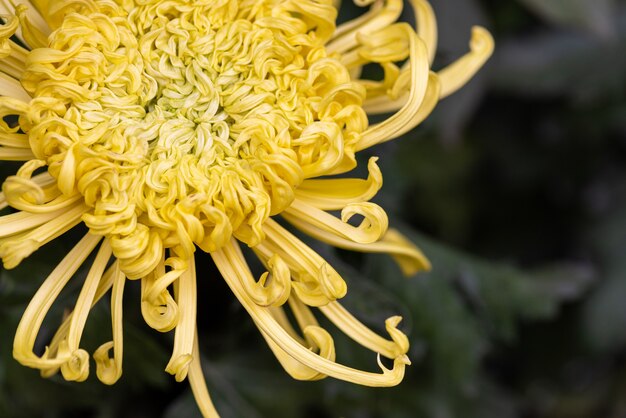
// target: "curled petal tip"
[[482, 40], [404, 359], [106, 369], [274, 286], [76, 368], [179, 366], [397, 371], [398, 337], [323, 341], [333, 285]]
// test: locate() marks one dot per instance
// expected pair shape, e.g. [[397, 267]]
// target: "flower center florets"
[[188, 122]]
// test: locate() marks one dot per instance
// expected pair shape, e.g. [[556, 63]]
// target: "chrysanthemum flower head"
[[167, 126]]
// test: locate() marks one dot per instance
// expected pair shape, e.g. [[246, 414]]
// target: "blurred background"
[[515, 188]]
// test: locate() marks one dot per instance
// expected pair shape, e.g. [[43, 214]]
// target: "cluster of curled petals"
[[168, 125]]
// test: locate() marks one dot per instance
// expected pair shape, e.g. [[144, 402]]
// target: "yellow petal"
[[457, 74], [11, 24], [398, 345], [61, 334], [266, 322], [431, 98], [36, 194], [14, 140], [426, 26], [23, 221], [335, 194], [408, 256], [198, 384], [11, 88], [278, 312], [35, 30], [327, 140], [380, 19], [351, 25], [14, 249], [372, 227], [109, 370], [186, 299], [293, 367], [39, 306], [314, 280], [270, 290], [77, 367], [390, 128], [16, 154], [13, 64], [158, 308]]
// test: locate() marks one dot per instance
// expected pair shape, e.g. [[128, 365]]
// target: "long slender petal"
[[38, 307], [10, 87], [426, 26], [336, 194], [264, 319], [314, 280], [77, 366], [381, 19], [106, 282], [373, 225], [462, 70], [398, 345], [390, 128], [198, 383], [186, 298], [109, 370], [15, 248]]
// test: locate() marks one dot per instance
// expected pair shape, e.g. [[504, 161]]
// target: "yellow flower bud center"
[[184, 123]]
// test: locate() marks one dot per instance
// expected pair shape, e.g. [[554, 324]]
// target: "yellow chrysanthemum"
[[170, 125]]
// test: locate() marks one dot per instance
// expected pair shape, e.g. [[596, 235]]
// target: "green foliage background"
[[515, 190]]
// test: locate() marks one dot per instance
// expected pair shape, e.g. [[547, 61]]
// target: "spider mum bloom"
[[167, 126]]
